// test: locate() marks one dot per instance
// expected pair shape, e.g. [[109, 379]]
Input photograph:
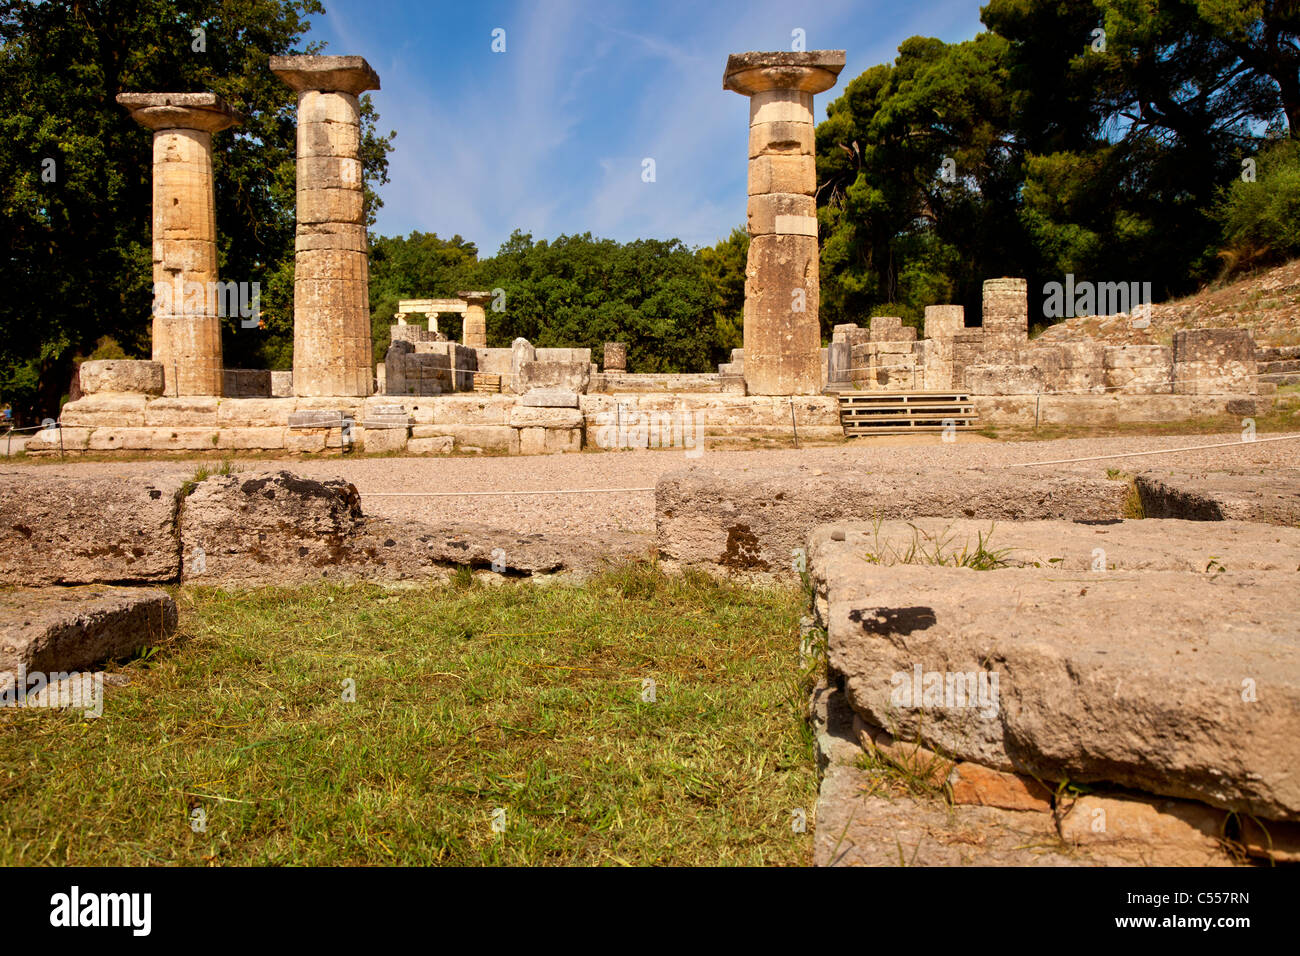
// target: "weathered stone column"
[[782, 332], [474, 329], [1005, 315], [331, 300], [186, 324], [615, 356]]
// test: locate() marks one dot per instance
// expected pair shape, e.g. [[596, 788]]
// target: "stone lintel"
[[202, 111], [812, 71], [330, 74]]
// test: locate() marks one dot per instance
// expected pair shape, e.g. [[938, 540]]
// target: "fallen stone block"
[[1270, 496], [86, 530], [1174, 683], [240, 527], [277, 528], [121, 375], [758, 521], [54, 630]]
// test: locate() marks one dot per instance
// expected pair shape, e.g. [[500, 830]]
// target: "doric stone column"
[[782, 332], [474, 329], [186, 326], [331, 300]]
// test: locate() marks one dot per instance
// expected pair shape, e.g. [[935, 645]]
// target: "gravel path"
[[592, 513]]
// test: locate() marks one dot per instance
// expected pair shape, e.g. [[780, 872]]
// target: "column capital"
[[203, 111], [328, 74], [812, 71], [475, 298]]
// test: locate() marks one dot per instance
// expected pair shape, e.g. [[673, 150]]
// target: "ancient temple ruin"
[[431, 395]]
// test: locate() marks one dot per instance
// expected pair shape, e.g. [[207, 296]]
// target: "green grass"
[[468, 698], [939, 550]]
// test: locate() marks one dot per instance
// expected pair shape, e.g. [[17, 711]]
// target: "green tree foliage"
[[579, 292], [1084, 136], [76, 256], [1261, 219], [723, 266]]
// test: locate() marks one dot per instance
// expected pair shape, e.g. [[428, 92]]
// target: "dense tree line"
[[1105, 138], [1117, 140]]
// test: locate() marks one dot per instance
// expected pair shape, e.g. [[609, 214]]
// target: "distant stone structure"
[[474, 331], [615, 356], [186, 332], [331, 298], [782, 333]]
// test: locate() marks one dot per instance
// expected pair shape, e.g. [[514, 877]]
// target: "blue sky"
[[550, 135]]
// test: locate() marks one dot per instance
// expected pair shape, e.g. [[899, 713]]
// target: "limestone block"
[[153, 439], [304, 442], [525, 416], [566, 376], [121, 375], [472, 410], [111, 409], [782, 136], [252, 438], [1153, 832], [782, 214], [1138, 368], [1006, 312], [379, 440], [488, 437], [942, 322], [781, 106], [58, 630], [331, 235], [563, 440], [188, 411], [60, 530], [1089, 673], [254, 412], [1003, 379], [438, 445], [521, 353], [782, 173], [532, 441], [549, 398], [54, 440]]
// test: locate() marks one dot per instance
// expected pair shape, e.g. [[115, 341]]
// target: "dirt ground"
[[450, 490]]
